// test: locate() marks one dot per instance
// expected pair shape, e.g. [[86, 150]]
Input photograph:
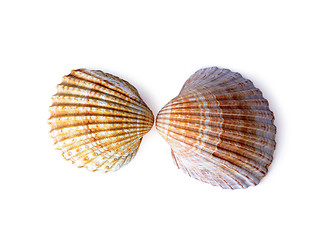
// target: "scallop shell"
[[98, 120], [220, 129]]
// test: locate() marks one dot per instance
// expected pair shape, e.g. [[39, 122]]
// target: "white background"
[[285, 47]]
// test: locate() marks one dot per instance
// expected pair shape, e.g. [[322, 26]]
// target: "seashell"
[[220, 129], [98, 120]]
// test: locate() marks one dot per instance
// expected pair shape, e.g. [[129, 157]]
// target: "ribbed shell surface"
[[220, 129], [98, 120]]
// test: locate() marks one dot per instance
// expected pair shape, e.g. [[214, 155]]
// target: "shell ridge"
[[236, 158], [62, 98], [96, 110], [200, 75], [68, 132], [235, 174], [190, 131], [227, 79], [229, 177], [262, 116], [104, 133], [58, 122], [227, 160], [265, 135], [239, 124], [242, 95], [265, 131], [117, 84], [238, 104], [84, 84], [97, 144], [91, 126], [247, 138], [118, 108], [102, 164], [228, 87], [121, 84]]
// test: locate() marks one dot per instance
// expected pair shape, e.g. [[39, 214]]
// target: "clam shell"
[[220, 129], [98, 120]]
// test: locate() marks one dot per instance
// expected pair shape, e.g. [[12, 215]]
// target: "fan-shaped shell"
[[220, 129], [98, 120]]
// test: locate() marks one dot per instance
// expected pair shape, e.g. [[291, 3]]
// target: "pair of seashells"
[[219, 127]]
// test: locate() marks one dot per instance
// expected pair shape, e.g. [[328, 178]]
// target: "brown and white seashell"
[[220, 129], [98, 120]]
